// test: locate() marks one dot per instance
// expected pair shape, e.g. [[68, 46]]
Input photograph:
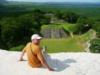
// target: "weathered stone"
[[54, 33]]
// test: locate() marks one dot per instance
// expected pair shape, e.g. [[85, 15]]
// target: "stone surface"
[[64, 64]]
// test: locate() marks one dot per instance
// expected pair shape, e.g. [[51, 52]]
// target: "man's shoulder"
[[28, 43]]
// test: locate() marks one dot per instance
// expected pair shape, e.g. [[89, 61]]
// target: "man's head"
[[36, 39]]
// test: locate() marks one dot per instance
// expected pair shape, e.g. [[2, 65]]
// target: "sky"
[[57, 0]]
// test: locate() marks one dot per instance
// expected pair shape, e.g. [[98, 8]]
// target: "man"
[[34, 53]]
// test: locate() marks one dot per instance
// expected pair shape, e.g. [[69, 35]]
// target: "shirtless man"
[[34, 53]]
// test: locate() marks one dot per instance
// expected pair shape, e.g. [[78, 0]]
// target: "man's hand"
[[21, 59], [51, 69]]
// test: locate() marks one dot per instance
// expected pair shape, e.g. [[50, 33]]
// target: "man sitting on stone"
[[34, 53]]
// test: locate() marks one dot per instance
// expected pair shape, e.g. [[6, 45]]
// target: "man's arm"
[[23, 52], [43, 61]]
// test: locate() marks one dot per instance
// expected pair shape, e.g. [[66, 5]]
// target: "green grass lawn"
[[63, 45], [67, 26], [75, 44]]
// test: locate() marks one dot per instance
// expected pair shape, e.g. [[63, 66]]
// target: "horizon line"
[[52, 2]]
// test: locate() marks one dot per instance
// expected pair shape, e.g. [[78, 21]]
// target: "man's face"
[[36, 41]]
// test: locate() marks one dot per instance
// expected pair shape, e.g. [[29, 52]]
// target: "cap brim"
[[39, 38]]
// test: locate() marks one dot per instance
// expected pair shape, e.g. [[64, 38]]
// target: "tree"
[[59, 15], [16, 31], [70, 17], [38, 18], [84, 24], [96, 27], [7, 29]]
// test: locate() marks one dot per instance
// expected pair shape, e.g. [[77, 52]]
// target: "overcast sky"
[[57, 0]]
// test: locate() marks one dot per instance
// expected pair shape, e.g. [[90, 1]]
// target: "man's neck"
[[35, 43]]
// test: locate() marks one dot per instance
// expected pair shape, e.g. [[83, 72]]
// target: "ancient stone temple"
[[54, 33]]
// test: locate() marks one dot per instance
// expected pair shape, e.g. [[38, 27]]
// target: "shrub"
[[17, 48], [95, 46]]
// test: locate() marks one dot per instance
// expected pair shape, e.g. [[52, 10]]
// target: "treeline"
[[17, 28]]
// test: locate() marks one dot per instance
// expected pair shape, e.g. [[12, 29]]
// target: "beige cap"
[[35, 36]]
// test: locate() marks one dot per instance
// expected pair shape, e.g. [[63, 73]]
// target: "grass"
[[66, 26], [51, 26], [75, 44], [63, 45], [89, 35], [69, 27]]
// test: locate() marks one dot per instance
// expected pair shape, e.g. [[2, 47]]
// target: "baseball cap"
[[35, 36]]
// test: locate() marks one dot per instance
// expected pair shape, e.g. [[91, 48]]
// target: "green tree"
[[96, 27], [84, 24], [16, 31], [70, 17], [7, 29], [38, 18]]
